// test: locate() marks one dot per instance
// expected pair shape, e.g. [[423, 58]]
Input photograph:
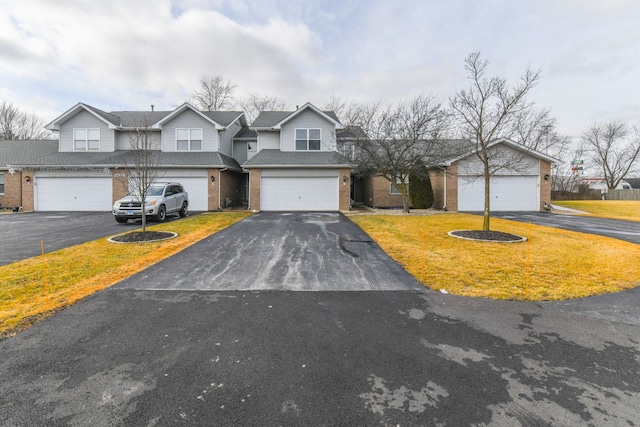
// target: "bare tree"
[[487, 110], [401, 138], [16, 124], [214, 94], [143, 164], [538, 130], [255, 103], [613, 150]]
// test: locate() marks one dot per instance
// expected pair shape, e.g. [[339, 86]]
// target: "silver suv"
[[162, 198]]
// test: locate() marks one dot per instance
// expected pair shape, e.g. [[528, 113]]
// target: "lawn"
[[616, 209], [553, 264], [40, 286]]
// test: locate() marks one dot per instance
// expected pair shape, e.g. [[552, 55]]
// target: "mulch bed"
[[488, 236], [139, 236]]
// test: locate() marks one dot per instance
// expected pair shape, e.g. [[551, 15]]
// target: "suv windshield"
[[156, 191]]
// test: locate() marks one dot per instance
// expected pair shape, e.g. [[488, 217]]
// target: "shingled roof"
[[13, 152], [289, 159]]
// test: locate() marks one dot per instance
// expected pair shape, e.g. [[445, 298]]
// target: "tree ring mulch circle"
[[140, 237], [487, 236]]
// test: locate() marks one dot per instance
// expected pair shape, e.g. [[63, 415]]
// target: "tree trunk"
[[405, 203], [144, 216], [487, 201]]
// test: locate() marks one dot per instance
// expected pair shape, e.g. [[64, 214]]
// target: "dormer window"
[[308, 139], [86, 139], [188, 139]]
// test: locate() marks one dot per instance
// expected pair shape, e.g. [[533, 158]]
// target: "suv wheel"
[[121, 219], [184, 210], [162, 214]]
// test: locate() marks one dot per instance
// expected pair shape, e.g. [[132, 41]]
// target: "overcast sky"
[[129, 54]]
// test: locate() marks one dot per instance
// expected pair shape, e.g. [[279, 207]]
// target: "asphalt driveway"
[[22, 233], [303, 251], [618, 229]]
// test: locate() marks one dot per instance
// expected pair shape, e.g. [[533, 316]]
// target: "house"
[[88, 171], [458, 184], [287, 160], [295, 164]]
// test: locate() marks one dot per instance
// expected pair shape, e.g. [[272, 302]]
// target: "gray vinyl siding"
[[226, 138], [84, 119], [519, 163], [189, 119], [240, 151], [308, 120], [123, 140], [268, 141]]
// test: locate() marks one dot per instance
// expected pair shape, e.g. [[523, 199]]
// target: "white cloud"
[[127, 54]]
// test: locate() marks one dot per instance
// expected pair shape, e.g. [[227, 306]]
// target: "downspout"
[[219, 185], [444, 204]]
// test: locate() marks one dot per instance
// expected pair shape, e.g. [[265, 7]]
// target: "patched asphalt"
[[134, 355]]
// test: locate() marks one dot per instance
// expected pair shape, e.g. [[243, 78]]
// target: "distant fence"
[[623, 194]]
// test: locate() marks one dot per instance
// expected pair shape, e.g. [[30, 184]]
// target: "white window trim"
[[295, 138], [397, 190], [189, 138], [86, 140]]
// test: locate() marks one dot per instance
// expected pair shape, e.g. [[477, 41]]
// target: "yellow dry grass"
[[553, 265], [616, 209], [36, 287]]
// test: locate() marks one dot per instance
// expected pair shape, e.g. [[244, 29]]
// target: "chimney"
[[151, 107]]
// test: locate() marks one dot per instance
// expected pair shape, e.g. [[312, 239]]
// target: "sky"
[[129, 54]]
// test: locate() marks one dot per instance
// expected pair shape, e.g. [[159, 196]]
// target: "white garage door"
[[73, 194], [197, 188], [299, 194], [507, 193]]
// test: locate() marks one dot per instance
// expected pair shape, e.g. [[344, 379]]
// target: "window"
[[188, 139], [86, 139], [1, 182], [308, 139], [396, 190]]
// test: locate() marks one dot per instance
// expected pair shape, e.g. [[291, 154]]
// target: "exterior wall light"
[[27, 179], [213, 179], [546, 177], [344, 179]]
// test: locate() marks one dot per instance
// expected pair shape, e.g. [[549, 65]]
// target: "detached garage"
[[72, 192]]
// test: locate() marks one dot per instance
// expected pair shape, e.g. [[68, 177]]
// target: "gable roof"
[[466, 148], [12, 152], [111, 120], [271, 158], [268, 120], [131, 119]]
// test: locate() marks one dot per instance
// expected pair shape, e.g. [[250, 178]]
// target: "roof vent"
[[152, 107]]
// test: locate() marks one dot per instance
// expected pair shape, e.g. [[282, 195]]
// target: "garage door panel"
[[73, 194], [197, 188], [299, 194], [507, 193]]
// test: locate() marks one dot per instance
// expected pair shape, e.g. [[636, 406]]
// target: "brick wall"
[[545, 185], [120, 183], [12, 190], [212, 203], [254, 189], [27, 191], [379, 189], [345, 189], [452, 187]]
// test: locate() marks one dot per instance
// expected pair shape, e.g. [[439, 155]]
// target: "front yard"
[[553, 264]]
